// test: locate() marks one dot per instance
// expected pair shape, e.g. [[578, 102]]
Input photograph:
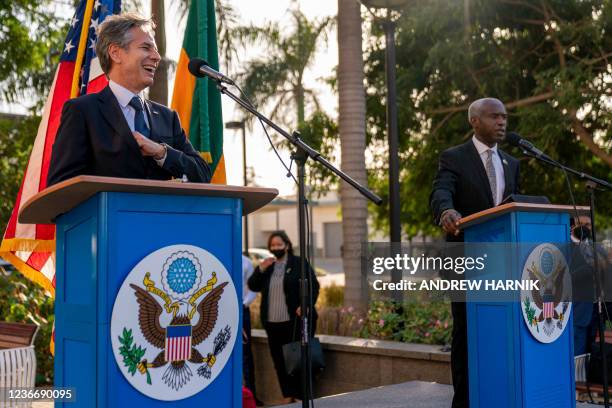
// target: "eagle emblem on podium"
[[177, 311], [176, 340], [546, 308]]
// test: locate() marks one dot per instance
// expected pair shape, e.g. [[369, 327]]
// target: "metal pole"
[[245, 180], [600, 298], [395, 226], [300, 159]]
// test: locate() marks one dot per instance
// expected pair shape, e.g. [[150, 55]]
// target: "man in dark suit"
[[472, 177], [116, 133]]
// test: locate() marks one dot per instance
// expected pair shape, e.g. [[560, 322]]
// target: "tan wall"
[[356, 364], [322, 215], [262, 222]]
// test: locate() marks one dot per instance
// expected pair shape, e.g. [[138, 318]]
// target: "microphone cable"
[[263, 126], [308, 231]]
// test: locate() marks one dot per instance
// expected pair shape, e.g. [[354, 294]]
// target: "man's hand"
[[149, 147], [450, 221], [265, 263]]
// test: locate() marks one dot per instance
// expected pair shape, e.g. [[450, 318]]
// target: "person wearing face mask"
[[586, 319], [278, 280], [116, 132]]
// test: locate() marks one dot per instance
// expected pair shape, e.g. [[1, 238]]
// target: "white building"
[[281, 214]]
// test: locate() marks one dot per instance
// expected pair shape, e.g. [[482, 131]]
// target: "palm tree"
[[158, 92], [352, 106], [278, 78]]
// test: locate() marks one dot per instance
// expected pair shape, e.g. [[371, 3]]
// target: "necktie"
[[491, 175], [139, 121]]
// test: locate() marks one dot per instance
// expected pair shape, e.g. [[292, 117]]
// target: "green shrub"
[[331, 296], [23, 301], [410, 322]]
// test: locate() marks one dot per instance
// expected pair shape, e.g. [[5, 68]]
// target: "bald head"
[[488, 119], [476, 107]]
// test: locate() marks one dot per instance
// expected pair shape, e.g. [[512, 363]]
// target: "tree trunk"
[[352, 107], [158, 92]]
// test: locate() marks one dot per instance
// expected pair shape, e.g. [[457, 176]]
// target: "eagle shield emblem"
[[546, 309], [167, 337]]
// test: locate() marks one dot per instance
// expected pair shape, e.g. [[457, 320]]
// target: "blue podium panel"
[[98, 244], [508, 367]]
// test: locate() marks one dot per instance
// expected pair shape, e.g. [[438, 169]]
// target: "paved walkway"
[[412, 394]]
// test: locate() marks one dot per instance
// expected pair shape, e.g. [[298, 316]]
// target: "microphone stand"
[[591, 184], [301, 155]]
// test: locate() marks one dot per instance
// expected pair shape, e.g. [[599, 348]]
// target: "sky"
[[267, 168]]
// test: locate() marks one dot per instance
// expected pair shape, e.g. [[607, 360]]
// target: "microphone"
[[516, 140], [200, 68]]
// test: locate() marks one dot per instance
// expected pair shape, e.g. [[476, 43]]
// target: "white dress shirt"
[[124, 96], [248, 296], [497, 164], [277, 301]]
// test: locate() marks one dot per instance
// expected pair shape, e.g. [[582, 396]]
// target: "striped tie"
[[491, 175]]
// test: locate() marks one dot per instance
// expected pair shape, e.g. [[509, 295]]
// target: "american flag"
[[548, 307], [178, 342], [31, 248]]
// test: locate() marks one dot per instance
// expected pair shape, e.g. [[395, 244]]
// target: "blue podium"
[[173, 250], [520, 351]]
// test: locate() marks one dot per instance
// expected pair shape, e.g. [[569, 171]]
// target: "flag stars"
[[74, 21], [92, 44], [68, 47], [96, 4], [95, 24]]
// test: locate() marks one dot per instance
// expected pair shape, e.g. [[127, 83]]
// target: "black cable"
[[306, 253], [310, 300], [596, 281], [263, 126], [581, 237]]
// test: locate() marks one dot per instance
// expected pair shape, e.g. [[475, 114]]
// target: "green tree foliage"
[[548, 60], [27, 58], [17, 134], [276, 81], [31, 42], [278, 77]]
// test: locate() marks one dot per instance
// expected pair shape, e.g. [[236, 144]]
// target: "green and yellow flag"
[[197, 100]]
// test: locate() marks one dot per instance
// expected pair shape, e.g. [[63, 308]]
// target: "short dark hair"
[[282, 235]]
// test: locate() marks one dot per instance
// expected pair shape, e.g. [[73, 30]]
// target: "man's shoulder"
[[84, 101], [458, 150]]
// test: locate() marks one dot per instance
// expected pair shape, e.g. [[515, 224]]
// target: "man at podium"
[[117, 133], [472, 177]]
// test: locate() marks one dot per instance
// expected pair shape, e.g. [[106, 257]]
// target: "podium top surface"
[[60, 198], [490, 213]]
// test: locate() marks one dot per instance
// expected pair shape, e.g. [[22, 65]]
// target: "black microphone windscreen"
[[194, 66], [513, 138]]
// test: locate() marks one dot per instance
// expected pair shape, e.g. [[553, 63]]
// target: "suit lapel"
[[480, 171], [111, 111], [153, 117], [508, 189]]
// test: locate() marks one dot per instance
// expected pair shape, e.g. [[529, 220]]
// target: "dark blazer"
[[94, 138], [462, 183], [260, 282]]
